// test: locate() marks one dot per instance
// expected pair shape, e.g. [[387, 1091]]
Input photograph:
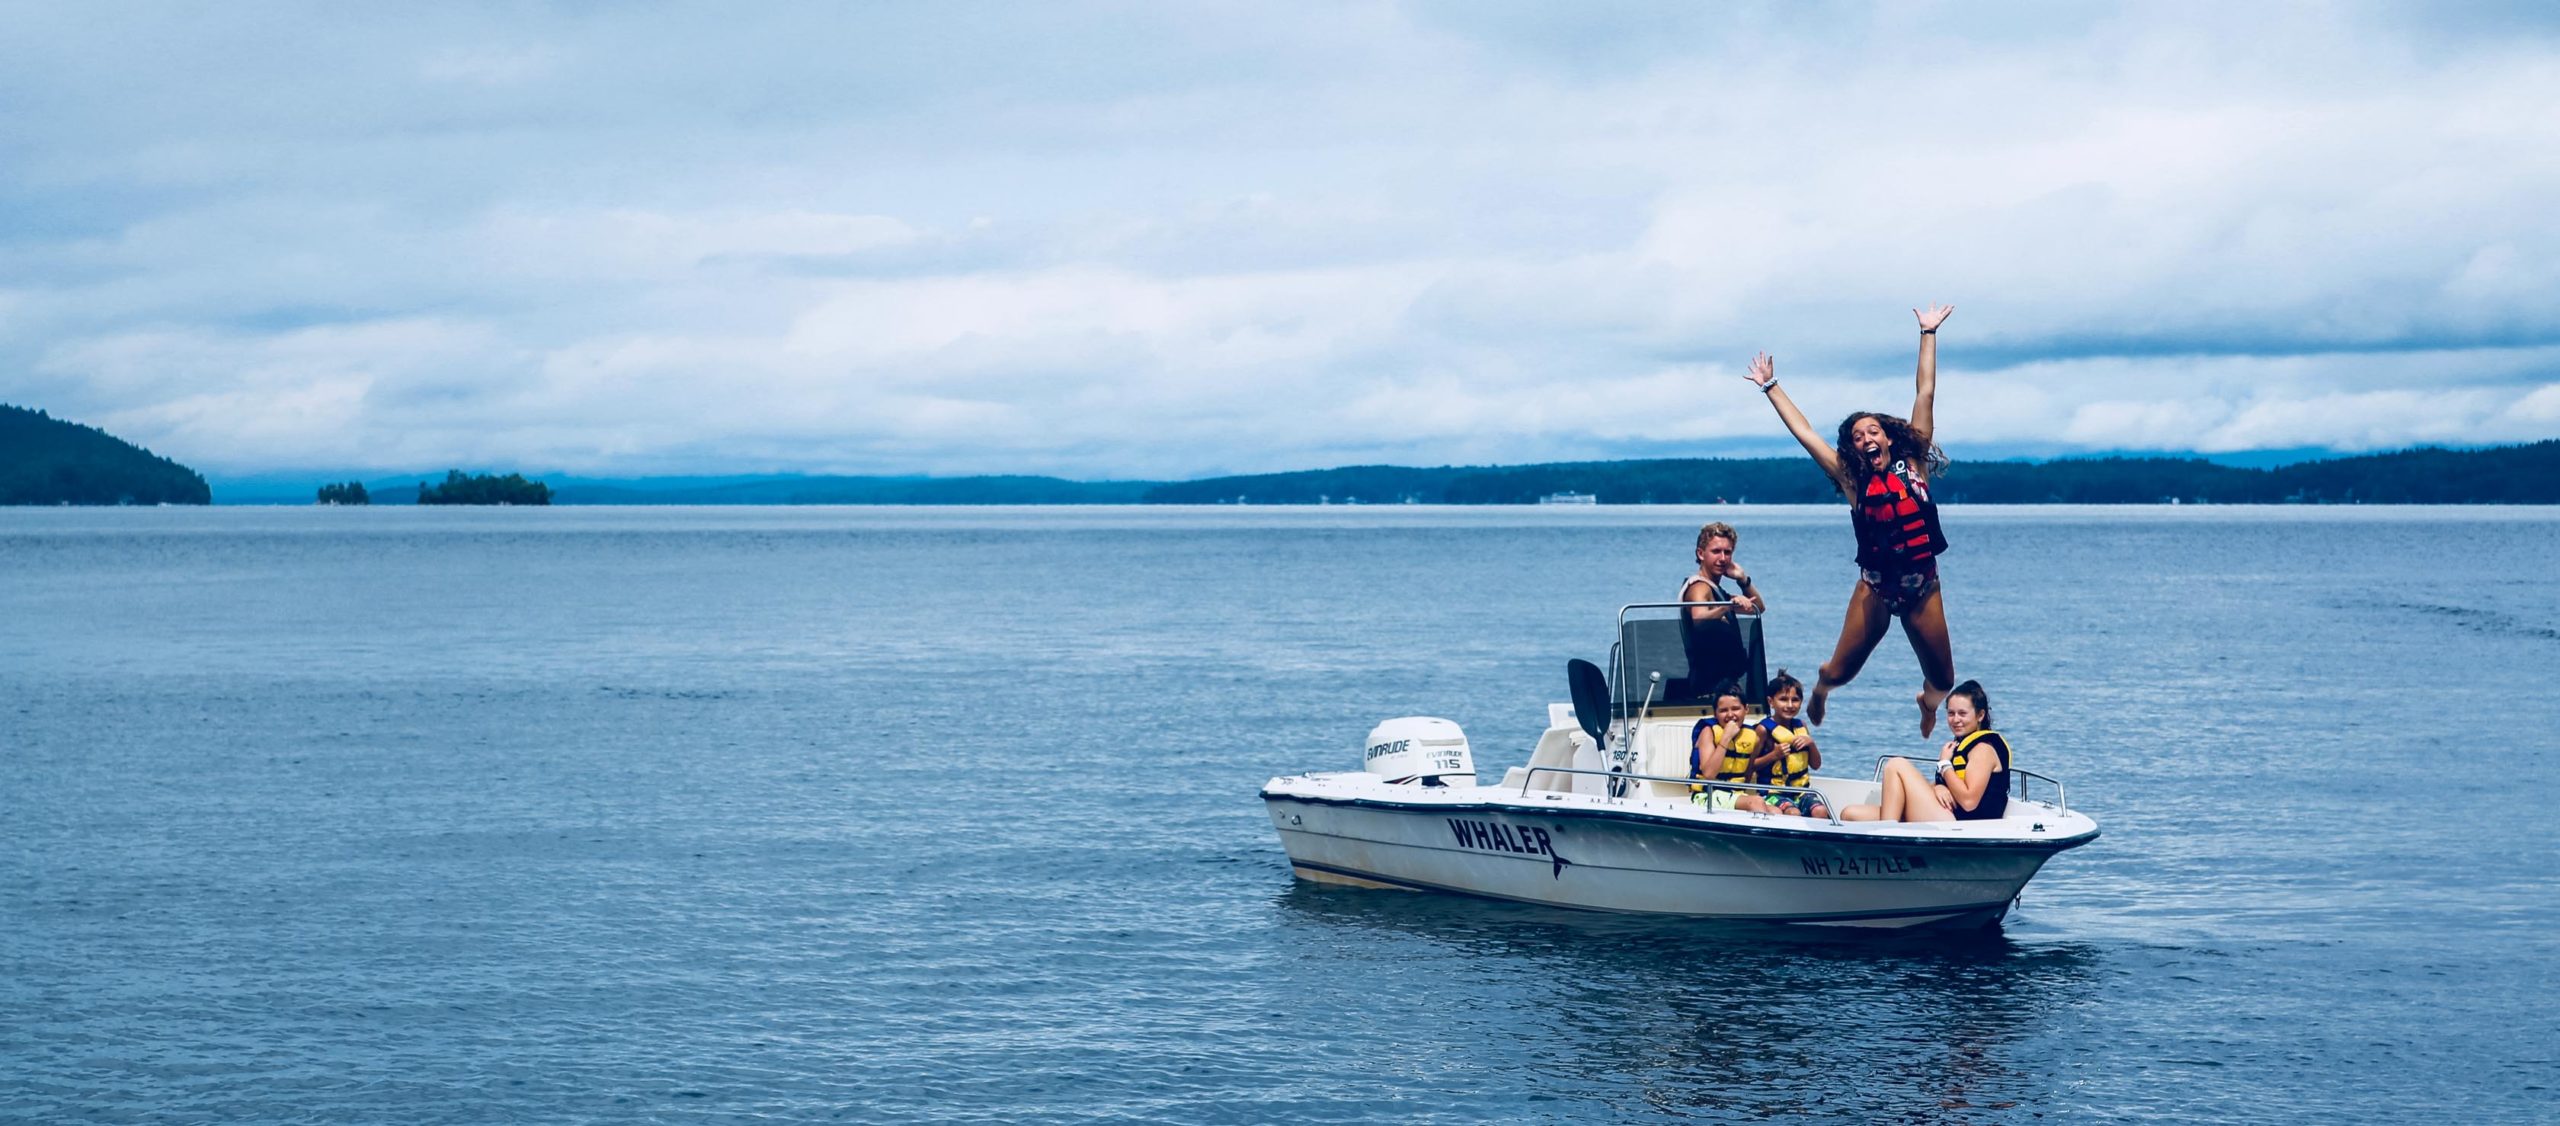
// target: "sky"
[[1115, 240]]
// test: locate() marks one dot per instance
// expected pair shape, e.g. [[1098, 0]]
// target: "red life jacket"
[[1896, 521]]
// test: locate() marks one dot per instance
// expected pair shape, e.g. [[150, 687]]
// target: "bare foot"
[[1813, 708], [1929, 699]]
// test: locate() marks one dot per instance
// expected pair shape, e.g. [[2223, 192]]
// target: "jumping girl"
[[1883, 465]]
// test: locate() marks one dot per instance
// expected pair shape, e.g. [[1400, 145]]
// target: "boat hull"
[[1658, 858]]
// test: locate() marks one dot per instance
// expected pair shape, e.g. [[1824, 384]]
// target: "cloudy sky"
[[1127, 239]]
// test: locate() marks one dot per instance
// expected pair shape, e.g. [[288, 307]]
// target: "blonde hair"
[[1715, 530]]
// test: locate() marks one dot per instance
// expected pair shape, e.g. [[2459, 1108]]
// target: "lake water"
[[778, 815]]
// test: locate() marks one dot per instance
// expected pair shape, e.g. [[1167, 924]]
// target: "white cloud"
[[2145, 424], [2364, 421], [2535, 413], [626, 239]]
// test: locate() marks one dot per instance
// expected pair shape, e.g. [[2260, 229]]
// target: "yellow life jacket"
[[1995, 789], [1956, 761], [1734, 766], [1795, 768]]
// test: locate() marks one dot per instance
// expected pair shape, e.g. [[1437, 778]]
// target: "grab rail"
[[2061, 798], [1710, 783], [2061, 804], [1617, 647], [1622, 610]]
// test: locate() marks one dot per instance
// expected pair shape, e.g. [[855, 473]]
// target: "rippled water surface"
[[914, 814]]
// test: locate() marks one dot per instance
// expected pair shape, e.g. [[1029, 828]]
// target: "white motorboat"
[[1602, 818]]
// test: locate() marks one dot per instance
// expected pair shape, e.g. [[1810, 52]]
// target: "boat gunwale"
[[2049, 846]]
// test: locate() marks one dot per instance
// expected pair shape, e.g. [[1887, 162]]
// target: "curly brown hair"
[[1906, 443]]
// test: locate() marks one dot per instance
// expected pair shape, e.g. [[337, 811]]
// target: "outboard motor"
[[1420, 749]]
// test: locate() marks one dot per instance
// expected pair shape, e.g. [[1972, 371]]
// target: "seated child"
[[1713, 754], [1782, 750]]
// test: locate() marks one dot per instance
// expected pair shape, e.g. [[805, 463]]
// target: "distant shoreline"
[[2522, 474], [1561, 510]]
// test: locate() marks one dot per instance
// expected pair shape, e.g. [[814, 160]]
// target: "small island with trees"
[[47, 460], [352, 492], [483, 488]]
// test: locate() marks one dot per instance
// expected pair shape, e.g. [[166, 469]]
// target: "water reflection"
[[1751, 1020]]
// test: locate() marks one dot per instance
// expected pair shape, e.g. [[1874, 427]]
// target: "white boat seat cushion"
[[1665, 747]]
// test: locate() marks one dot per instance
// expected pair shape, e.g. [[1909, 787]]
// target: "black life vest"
[[1995, 793], [1712, 647], [1896, 521]]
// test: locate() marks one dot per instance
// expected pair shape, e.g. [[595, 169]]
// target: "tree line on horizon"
[[45, 460], [2527, 474]]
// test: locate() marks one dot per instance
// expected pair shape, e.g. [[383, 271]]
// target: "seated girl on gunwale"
[[1972, 782]]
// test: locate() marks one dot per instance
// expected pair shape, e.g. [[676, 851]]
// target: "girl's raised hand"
[[1764, 371], [1937, 315]]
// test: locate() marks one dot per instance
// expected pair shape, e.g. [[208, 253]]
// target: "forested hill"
[[2500, 475], [45, 460]]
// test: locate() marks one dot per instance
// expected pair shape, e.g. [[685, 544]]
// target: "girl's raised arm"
[[1924, 398], [1764, 375]]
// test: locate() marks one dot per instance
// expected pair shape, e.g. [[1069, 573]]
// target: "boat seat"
[[1665, 750], [1558, 747]]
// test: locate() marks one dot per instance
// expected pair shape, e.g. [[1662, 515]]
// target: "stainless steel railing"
[[1709, 783], [1617, 650], [2061, 802], [1619, 709]]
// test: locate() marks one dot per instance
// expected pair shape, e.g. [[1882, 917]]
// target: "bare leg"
[[1860, 630], [1862, 813], [1909, 795], [1898, 780], [1923, 804], [1926, 626]]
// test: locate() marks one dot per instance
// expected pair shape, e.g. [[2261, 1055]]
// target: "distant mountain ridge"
[[47, 460]]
